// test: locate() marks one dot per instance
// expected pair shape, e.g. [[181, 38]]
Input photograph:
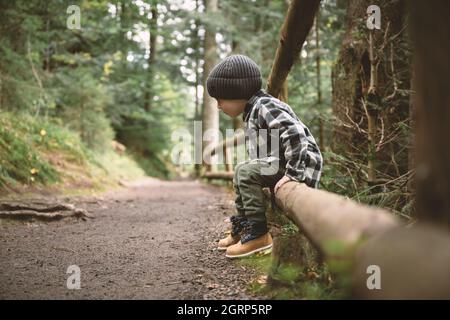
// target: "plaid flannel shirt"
[[296, 149]]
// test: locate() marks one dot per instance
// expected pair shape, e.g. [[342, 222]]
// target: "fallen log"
[[219, 175], [414, 263], [327, 218], [295, 29], [235, 140]]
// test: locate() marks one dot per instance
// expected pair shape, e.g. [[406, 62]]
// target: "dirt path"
[[151, 240]]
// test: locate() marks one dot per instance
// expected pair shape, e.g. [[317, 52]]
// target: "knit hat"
[[235, 77]]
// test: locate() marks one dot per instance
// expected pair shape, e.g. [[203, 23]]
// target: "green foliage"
[[22, 164], [345, 176], [81, 103], [100, 82], [289, 277], [114, 167], [290, 228], [287, 273], [23, 142], [94, 81], [35, 151], [261, 263]]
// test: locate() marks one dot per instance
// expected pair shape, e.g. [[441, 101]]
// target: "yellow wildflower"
[[107, 68]]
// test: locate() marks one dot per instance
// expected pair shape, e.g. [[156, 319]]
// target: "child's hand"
[[281, 182]]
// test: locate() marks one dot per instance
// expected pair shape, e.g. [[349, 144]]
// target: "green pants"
[[250, 177]]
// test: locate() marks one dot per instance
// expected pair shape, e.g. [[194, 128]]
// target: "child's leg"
[[236, 220], [250, 182], [238, 199]]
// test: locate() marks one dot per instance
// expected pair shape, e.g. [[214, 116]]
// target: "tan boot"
[[240, 250], [228, 241]]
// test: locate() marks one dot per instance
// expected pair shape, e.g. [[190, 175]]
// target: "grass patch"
[[36, 152], [293, 271]]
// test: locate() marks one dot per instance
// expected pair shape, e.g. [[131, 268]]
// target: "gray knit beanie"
[[235, 77]]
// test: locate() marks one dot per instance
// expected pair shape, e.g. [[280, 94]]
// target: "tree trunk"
[[153, 34], [371, 106], [197, 62], [318, 77], [197, 115], [430, 29], [219, 175], [371, 83], [210, 110]]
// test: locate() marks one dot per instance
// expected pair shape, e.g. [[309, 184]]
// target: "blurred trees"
[[210, 113], [100, 81], [135, 70]]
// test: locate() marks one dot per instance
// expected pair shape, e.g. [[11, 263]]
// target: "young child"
[[236, 85]]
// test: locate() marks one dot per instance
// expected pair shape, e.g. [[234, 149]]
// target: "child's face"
[[232, 108]]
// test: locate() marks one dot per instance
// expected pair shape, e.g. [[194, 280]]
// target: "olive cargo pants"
[[250, 177]]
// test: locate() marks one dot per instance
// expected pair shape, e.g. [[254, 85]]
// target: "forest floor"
[[152, 239]]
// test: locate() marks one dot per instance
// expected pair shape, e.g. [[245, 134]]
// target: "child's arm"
[[280, 183]]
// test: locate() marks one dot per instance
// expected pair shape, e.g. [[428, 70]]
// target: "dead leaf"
[[262, 279]]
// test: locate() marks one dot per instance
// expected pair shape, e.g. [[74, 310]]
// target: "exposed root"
[[40, 211]]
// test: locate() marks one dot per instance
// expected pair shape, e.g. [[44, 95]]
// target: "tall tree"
[[318, 76], [430, 28], [153, 34], [371, 89], [210, 110]]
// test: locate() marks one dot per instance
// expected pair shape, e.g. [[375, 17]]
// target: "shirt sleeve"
[[292, 137]]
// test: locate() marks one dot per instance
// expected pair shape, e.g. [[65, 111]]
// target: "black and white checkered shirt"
[[296, 148]]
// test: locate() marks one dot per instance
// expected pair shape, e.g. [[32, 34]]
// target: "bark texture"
[[431, 33]]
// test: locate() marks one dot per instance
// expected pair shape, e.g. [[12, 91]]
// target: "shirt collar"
[[251, 102]]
